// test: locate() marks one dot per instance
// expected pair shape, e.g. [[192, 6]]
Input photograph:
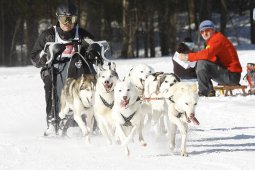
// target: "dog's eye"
[[186, 103], [195, 104], [128, 89], [103, 76], [119, 90], [141, 71], [166, 81]]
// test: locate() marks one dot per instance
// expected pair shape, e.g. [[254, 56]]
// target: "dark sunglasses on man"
[[64, 19]]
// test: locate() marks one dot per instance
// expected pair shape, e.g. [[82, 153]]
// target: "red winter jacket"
[[220, 51]]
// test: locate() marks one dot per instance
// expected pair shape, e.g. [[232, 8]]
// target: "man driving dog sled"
[[66, 30], [218, 61]]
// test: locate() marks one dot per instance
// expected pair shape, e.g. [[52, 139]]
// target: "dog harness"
[[106, 103], [127, 119]]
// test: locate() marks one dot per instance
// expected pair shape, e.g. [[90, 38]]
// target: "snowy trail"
[[224, 140]]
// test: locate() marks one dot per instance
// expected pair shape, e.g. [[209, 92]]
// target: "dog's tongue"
[[124, 103], [108, 87], [194, 120]]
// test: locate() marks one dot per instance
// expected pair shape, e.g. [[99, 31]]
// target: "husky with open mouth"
[[104, 100], [127, 113], [181, 101], [138, 74]]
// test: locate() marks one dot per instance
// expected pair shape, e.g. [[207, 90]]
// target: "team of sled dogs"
[[121, 106]]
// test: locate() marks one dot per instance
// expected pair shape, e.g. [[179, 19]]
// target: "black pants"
[[207, 70], [48, 83]]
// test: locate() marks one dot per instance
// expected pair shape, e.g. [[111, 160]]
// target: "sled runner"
[[62, 68], [226, 90]]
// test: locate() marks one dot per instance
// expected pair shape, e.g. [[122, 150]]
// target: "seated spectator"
[[218, 61]]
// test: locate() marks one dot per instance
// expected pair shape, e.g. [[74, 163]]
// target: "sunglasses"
[[205, 31], [67, 19]]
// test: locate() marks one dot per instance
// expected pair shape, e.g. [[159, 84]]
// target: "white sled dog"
[[127, 113], [155, 85], [138, 74], [104, 100], [181, 99], [78, 96]]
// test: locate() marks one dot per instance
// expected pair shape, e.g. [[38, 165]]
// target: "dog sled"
[[62, 68], [226, 90], [250, 76]]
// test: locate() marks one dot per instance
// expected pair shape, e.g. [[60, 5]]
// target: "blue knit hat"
[[206, 24]]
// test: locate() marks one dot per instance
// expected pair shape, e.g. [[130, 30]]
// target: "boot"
[[51, 128]]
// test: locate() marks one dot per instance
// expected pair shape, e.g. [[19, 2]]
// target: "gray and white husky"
[[155, 85], [104, 100], [78, 95]]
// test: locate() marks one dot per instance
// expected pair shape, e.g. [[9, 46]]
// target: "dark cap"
[[66, 9]]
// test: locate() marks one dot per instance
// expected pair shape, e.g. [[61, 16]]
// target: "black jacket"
[[49, 36]]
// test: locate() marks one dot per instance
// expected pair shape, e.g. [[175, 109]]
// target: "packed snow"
[[225, 138]]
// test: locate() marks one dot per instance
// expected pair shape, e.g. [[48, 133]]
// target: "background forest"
[[134, 28]]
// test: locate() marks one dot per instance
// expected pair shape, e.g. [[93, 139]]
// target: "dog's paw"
[[143, 143], [127, 151], [61, 115], [172, 147], [87, 140], [183, 153], [118, 142]]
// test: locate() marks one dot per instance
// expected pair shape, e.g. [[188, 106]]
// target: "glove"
[[183, 57], [51, 50], [94, 53], [43, 57]]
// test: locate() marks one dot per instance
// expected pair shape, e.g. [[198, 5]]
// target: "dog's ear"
[[113, 66], [176, 77], [100, 68]]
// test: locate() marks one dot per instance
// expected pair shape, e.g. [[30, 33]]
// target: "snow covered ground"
[[225, 138]]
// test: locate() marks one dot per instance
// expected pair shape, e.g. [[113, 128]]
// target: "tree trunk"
[[164, 28], [124, 49], [223, 16], [172, 33], [151, 36], [13, 54], [252, 21], [192, 19], [2, 34], [146, 36], [205, 10]]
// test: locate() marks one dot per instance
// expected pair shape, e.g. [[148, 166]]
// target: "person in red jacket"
[[218, 61]]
